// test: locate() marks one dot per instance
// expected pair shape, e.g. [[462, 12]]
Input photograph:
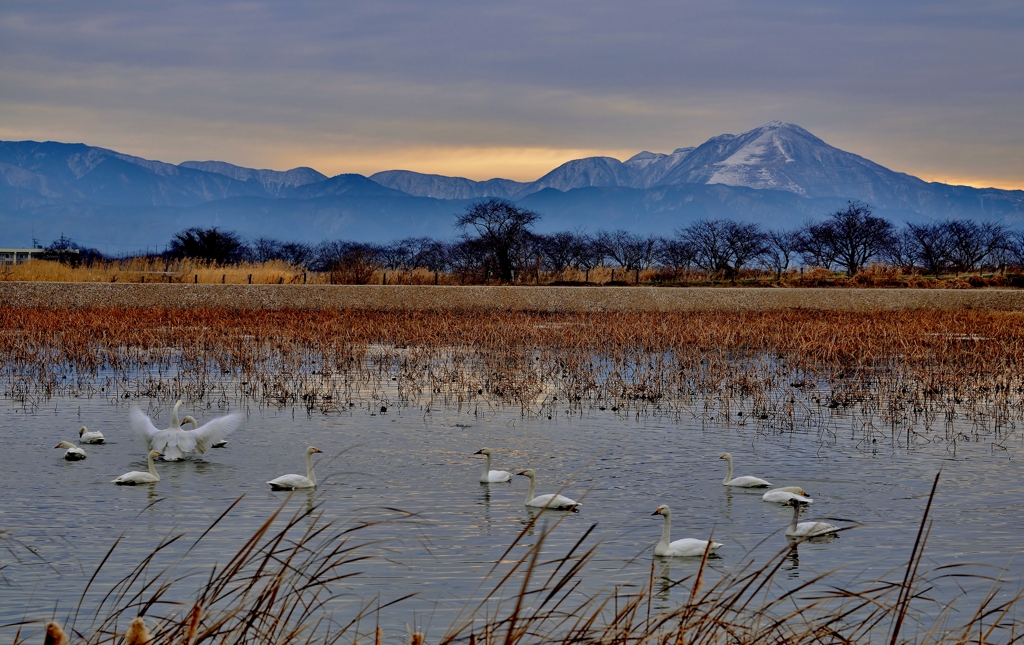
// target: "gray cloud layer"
[[932, 88]]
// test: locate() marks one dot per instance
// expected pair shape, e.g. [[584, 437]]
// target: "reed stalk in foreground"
[[278, 590]]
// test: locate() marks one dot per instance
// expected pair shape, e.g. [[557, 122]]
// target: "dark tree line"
[[498, 244]]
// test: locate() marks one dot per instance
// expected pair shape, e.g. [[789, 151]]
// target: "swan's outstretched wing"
[[206, 435], [144, 427]]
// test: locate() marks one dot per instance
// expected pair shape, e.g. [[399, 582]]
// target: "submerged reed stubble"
[[910, 374]]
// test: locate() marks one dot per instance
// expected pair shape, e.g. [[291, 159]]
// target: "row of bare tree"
[[498, 243]]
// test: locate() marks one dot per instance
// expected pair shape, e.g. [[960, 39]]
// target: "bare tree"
[[930, 245], [348, 262], [780, 249], [559, 251], [970, 244], [588, 253], [502, 227], [1015, 248], [901, 251], [851, 238], [708, 240], [746, 242], [630, 251], [723, 246], [817, 245], [676, 254]]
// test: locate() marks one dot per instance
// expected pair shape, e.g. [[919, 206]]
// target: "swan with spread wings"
[[174, 443]]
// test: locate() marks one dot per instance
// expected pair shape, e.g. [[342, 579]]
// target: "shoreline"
[[89, 295]]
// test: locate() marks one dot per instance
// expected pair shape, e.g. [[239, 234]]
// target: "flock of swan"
[[175, 443], [794, 496]]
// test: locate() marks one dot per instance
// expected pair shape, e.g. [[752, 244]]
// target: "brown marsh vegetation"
[[911, 374], [195, 271]]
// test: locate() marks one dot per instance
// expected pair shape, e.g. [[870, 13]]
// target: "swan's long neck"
[[796, 517], [487, 466], [310, 475], [666, 532], [728, 478], [174, 416], [152, 469], [529, 493]]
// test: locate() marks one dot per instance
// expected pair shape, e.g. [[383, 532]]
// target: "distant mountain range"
[[778, 174]]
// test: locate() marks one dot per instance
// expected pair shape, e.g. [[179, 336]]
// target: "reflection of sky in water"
[[421, 463]]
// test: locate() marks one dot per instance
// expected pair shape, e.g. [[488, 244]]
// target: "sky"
[[485, 89]]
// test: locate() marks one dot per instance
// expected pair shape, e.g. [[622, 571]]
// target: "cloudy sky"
[[484, 88]]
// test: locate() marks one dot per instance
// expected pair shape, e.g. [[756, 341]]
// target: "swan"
[[741, 482], [195, 424], [490, 476], [74, 453], [291, 482], [786, 493], [175, 443], [550, 500], [687, 547], [140, 477], [799, 529], [86, 436]]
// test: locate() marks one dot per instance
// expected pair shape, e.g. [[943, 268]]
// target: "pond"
[[381, 466]]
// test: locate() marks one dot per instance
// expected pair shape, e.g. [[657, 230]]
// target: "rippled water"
[[421, 462]]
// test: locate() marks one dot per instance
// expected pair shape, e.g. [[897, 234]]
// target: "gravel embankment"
[[76, 295]]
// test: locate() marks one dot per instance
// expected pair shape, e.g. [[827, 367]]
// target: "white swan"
[[87, 436], [490, 476], [799, 529], [551, 500], [74, 453], [687, 547], [195, 424], [175, 443], [140, 477], [786, 493], [741, 482], [291, 482]]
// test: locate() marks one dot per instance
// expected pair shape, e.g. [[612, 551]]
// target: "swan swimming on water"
[[687, 547], [742, 482], [291, 482], [174, 443], [798, 529], [489, 476], [74, 453], [786, 493], [140, 477], [87, 436], [551, 500]]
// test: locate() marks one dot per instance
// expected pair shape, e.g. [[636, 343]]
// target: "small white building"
[[17, 256]]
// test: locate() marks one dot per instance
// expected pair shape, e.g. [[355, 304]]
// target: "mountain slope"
[[274, 182], [441, 187]]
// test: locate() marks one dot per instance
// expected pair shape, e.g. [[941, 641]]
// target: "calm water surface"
[[622, 468]]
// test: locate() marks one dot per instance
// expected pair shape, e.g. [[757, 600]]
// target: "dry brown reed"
[[155, 269], [280, 588], [909, 374]]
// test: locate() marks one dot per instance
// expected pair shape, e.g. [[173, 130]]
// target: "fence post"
[[250, 278], [303, 277], [385, 280], [224, 278], [196, 281]]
